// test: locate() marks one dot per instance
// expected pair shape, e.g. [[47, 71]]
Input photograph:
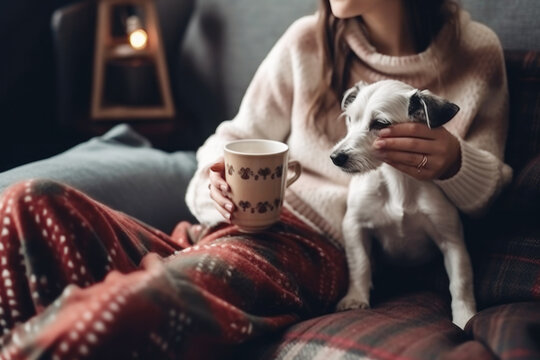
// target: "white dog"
[[405, 215]]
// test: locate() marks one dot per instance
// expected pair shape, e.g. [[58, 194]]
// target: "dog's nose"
[[339, 158]]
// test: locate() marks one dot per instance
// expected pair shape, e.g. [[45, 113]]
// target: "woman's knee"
[[28, 204], [25, 191]]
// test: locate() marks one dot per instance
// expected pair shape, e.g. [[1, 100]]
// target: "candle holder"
[[130, 73]]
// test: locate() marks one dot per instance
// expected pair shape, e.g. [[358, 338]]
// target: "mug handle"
[[297, 168]]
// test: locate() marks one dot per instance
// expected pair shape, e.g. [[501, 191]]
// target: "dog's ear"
[[351, 94], [431, 109]]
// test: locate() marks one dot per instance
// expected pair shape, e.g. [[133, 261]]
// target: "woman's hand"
[[220, 190], [404, 146]]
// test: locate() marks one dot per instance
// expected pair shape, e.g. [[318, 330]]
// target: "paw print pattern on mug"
[[244, 205], [261, 207], [279, 172], [245, 173], [265, 173]]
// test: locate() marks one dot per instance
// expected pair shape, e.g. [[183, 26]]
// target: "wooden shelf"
[[133, 112], [125, 51], [111, 50]]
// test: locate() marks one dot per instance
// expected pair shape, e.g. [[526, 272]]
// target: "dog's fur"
[[405, 215]]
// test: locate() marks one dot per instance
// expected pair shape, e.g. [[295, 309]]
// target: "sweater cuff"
[[475, 184]]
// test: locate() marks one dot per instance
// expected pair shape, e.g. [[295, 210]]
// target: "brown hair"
[[427, 17]]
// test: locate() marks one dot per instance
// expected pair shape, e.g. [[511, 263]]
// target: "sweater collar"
[[409, 65]]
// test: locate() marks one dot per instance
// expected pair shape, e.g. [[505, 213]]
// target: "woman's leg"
[[228, 288], [52, 235]]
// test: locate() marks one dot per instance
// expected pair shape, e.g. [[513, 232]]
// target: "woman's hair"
[[426, 16]]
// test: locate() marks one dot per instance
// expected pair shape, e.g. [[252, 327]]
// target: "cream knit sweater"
[[275, 105]]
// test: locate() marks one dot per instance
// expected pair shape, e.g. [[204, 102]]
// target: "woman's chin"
[[342, 11]]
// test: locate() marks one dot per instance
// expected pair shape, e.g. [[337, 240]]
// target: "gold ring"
[[422, 164]]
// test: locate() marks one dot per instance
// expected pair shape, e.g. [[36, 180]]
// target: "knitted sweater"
[[275, 106]]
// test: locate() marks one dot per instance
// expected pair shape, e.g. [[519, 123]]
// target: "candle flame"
[[138, 39]]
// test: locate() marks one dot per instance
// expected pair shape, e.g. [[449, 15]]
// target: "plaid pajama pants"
[[80, 280]]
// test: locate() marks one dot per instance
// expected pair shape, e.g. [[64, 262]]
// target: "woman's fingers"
[[219, 189], [409, 129], [217, 177], [408, 152], [404, 158], [223, 204], [406, 144]]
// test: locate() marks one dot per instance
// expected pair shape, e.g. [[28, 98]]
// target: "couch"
[[211, 64]]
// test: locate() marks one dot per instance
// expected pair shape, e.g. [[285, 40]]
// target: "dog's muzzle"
[[339, 158]]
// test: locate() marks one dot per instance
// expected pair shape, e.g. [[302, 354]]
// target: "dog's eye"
[[378, 124]]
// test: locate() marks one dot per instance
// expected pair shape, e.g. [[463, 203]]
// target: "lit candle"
[[138, 38]]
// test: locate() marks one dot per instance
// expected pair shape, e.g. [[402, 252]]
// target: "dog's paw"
[[351, 302], [461, 321], [462, 316]]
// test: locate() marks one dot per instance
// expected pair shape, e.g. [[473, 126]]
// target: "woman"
[[183, 301]]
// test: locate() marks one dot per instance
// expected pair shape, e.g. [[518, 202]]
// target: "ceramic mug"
[[256, 171]]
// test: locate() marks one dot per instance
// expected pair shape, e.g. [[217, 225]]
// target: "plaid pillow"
[[511, 331], [410, 326]]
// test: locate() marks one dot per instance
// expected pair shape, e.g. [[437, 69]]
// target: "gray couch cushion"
[[121, 170]]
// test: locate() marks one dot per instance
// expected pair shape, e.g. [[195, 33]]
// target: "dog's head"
[[370, 108]]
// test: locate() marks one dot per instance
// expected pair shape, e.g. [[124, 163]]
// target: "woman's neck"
[[388, 29]]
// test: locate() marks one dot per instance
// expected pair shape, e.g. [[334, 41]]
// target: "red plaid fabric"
[[512, 331], [80, 280], [409, 326]]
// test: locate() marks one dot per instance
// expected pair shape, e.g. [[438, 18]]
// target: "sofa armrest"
[[523, 198], [505, 245]]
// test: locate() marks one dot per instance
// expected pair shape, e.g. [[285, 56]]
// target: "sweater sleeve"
[[481, 177], [483, 173], [265, 112]]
